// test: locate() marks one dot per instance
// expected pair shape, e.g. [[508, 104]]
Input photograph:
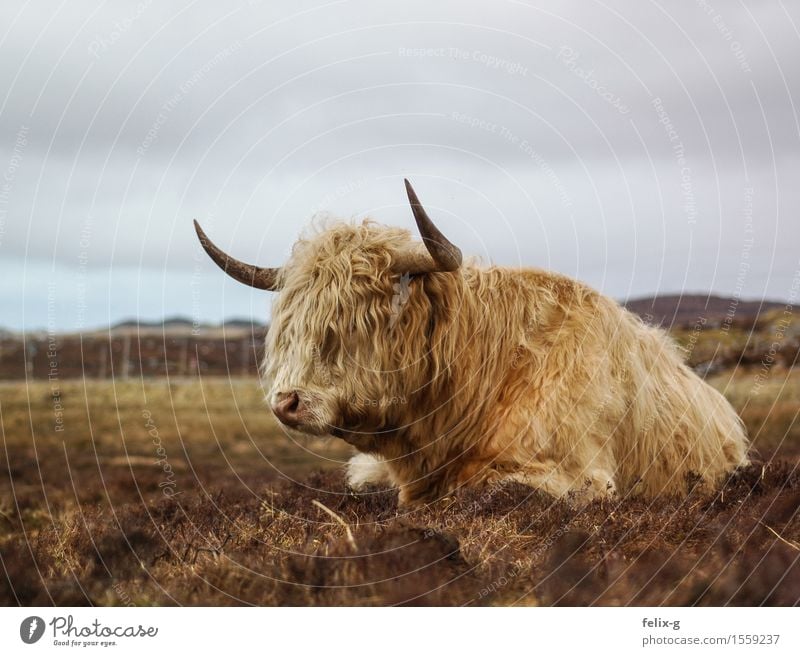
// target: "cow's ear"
[[442, 349]]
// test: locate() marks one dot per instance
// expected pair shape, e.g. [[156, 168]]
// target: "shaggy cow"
[[444, 375]]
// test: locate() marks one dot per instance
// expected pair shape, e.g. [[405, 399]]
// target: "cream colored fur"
[[488, 374], [365, 469]]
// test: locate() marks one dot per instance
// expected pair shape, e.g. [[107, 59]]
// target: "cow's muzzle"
[[289, 408]]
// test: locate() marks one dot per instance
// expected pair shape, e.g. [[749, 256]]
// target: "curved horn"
[[258, 277], [444, 255]]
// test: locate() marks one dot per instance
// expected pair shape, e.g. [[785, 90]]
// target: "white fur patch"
[[365, 469]]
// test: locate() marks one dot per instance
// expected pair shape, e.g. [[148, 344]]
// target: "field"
[[187, 492]]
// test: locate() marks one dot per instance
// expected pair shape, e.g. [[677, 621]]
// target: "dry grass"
[[84, 519], [769, 404]]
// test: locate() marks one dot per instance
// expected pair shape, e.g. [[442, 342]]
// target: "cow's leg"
[[365, 469], [564, 482]]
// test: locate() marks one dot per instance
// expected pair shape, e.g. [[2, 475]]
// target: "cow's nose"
[[287, 407]]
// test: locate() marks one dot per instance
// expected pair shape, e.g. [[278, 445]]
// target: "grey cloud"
[[529, 126]]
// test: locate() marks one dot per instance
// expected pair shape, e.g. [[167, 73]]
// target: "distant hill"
[[716, 333], [171, 322], [183, 325], [243, 323], [674, 310], [667, 311]]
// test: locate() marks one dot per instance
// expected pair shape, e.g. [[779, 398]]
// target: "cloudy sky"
[[648, 147]]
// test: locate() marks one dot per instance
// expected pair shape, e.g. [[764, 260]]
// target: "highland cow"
[[445, 374]]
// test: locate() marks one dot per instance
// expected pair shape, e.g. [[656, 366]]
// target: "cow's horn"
[[444, 255], [258, 277]]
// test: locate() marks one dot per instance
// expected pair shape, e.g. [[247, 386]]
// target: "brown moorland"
[[232, 511]]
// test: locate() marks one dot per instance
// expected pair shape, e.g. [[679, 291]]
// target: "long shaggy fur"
[[487, 374]]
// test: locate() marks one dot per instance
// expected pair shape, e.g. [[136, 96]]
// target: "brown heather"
[[83, 519]]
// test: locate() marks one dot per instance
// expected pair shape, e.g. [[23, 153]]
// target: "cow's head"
[[353, 323]]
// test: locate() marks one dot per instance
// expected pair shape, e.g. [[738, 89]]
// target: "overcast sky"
[[647, 147]]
